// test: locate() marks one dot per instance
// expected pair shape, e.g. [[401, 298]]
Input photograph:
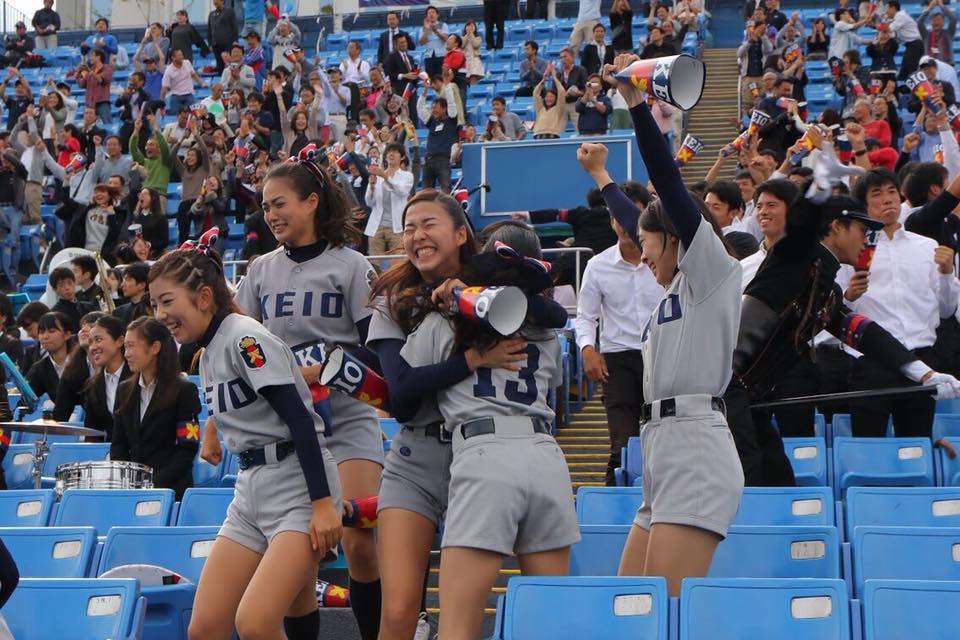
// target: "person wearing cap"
[[46, 23], [222, 32], [283, 37], [17, 44], [904, 28], [937, 38], [911, 286]]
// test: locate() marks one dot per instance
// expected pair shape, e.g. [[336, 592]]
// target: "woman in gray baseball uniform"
[[285, 516], [509, 483], [313, 293], [692, 477], [439, 244]]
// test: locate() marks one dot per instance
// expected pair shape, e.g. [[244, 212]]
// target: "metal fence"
[[235, 269], [11, 16]]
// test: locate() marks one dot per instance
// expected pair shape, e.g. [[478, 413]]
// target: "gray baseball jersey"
[[242, 358], [312, 305], [689, 339], [495, 392], [417, 351]]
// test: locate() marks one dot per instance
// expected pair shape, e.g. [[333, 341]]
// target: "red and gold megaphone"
[[677, 80], [691, 146], [363, 513], [923, 90], [757, 120], [503, 309], [76, 163], [344, 372]]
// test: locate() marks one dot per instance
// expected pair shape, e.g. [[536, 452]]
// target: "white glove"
[[828, 172], [948, 387]]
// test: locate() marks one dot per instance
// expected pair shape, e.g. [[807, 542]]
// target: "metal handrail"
[[234, 268]]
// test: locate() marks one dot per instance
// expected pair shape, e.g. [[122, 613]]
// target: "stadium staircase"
[[714, 119]]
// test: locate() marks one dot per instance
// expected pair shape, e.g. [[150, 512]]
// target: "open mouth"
[[425, 252]]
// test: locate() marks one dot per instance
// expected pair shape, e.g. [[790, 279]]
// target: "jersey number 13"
[[484, 388]]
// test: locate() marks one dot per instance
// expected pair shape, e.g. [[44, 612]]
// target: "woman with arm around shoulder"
[[285, 514], [693, 492], [155, 416]]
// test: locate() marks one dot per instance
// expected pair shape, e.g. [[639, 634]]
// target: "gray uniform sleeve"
[[259, 358], [705, 264], [246, 295], [358, 289]]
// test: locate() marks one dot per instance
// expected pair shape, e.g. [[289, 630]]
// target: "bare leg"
[[677, 551], [359, 479], [225, 576], [555, 562], [403, 546], [277, 587], [466, 576], [634, 558]]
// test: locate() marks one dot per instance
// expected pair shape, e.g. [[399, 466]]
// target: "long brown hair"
[[168, 368], [403, 286], [334, 217]]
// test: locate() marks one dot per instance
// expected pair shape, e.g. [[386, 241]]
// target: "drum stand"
[[40, 449]]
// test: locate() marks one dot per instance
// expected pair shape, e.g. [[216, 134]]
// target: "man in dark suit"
[[222, 32], [574, 79], [597, 53], [385, 45], [403, 73]]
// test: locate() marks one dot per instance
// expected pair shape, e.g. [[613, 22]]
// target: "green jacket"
[[158, 169]]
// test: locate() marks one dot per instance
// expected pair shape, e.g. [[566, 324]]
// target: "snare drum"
[[103, 474]]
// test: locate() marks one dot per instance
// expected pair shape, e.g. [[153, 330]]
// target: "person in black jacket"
[[403, 72], [100, 392], [385, 43], [28, 319], [133, 286], [184, 36], [64, 284], [222, 32], [11, 345], [257, 237], [97, 226], [150, 216], [77, 371], [597, 53], [55, 339], [155, 415]]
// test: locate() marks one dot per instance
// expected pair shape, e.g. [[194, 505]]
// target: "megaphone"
[[677, 80], [691, 146], [503, 309], [344, 372]]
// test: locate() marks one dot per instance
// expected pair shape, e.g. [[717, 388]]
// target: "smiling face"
[[290, 219], [771, 214], [104, 349], [432, 241], [720, 210], [131, 288], [186, 314], [660, 254], [151, 149], [141, 248], [144, 199]]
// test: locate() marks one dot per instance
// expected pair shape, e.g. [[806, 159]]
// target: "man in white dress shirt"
[[355, 73], [905, 30], [623, 292], [911, 286]]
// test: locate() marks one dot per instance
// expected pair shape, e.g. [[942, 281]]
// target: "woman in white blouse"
[[387, 192]]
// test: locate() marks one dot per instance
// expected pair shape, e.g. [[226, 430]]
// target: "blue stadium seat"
[[517, 33], [631, 474], [949, 467], [608, 505], [598, 552], [543, 31], [736, 609], [946, 425], [595, 607], [76, 608], [66, 452], [808, 457], [778, 552], [904, 553], [179, 549], [769, 506], [389, 427], [206, 506], [105, 508], [26, 507], [18, 466], [901, 507], [884, 462], [51, 552], [895, 609], [948, 406], [841, 425]]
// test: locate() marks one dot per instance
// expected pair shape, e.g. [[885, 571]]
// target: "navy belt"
[[668, 408], [439, 431], [485, 426], [256, 457]]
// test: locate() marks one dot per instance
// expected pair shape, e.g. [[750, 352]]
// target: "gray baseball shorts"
[[510, 492], [691, 472], [416, 476], [271, 498], [355, 433]]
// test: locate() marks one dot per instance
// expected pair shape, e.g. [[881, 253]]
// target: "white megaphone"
[[677, 80]]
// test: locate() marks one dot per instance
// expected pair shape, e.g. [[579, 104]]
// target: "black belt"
[[439, 431], [668, 408], [484, 426], [256, 457]]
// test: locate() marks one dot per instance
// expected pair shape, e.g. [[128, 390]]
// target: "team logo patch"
[[252, 352], [188, 432], [405, 452]]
